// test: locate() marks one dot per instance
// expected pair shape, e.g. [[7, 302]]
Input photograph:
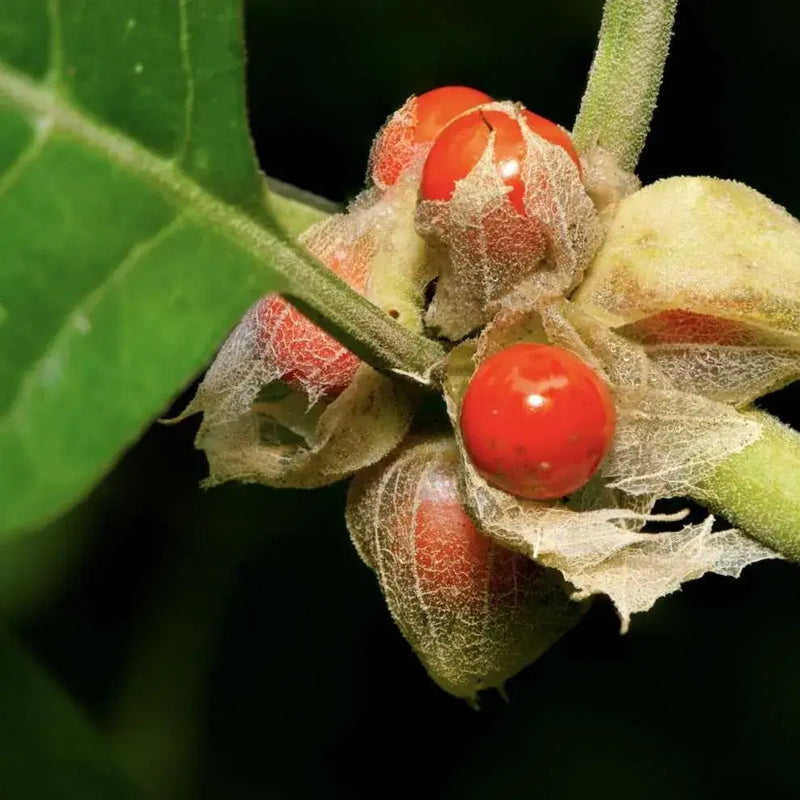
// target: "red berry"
[[676, 326], [306, 357], [411, 129], [537, 421], [459, 147], [454, 560], [474, 612]]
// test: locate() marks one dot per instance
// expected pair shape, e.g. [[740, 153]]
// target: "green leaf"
[[124, 164], [133, 234], [47, 748]]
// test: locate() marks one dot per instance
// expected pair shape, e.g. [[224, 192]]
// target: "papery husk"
[[305, 439], [396, 142], [702, 244], [718, 250], [487, 255], [606, 182], [330, 442], [667, 440], [743, 363], [481, 623]]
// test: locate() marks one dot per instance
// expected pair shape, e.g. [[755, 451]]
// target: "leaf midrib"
[[376, 338], [51, 109]]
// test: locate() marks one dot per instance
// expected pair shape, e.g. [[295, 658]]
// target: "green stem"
[[758, 490], [329, 301], [623, 85]]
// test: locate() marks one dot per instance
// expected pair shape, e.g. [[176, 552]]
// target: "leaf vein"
[[164, 174], [186, 63], [54, 18], [24, 160], [77, 321]]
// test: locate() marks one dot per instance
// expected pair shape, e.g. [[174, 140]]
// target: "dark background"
[[232, 644]]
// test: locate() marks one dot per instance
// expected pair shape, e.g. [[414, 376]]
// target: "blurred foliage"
[[231, 642], [48, 748]]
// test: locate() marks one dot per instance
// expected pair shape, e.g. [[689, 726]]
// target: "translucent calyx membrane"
[[705, 245], [284, 403], [407, 135], [490, 255], [474, 612], [703, 274], [395, 148], [669, 437]]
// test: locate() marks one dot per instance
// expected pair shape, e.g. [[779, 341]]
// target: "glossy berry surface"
[[459, 147], [415, 126], [537, 421], [308, 358]]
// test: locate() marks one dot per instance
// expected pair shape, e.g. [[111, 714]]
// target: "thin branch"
[[625, 77], [758, 490]]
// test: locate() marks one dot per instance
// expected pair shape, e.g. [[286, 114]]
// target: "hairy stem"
[[758, 490], [623, 85], [326, 299]]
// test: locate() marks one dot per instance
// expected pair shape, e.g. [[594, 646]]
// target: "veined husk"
[[483, 622], [396, 140], [487, 256], [668, 438], [720, 251], [702, 244], [257, 429]]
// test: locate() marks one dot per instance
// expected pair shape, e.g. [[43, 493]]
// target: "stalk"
[[758, 490], [625, 77]]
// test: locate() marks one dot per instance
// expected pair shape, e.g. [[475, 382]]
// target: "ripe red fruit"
[[411, 129], [474, 612], [676, 326], [459, 147], [537, 421], [306, 357], [454, 560]]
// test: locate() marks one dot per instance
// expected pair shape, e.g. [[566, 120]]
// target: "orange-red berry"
[[459, 147], [537, 421], [453, 558], [410, 131], [306, 357]]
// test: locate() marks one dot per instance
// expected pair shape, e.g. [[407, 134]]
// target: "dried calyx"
[[284, 403], [703, 274], [668, 439], [506, 217], [474, 612]]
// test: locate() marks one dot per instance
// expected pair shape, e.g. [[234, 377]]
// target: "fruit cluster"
[[485, 183], [575, 399]]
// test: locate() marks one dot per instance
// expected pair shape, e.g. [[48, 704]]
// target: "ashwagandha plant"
[[598, 344]]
